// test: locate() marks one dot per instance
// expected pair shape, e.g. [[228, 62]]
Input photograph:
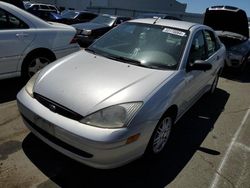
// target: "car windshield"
[[103, 19], [146, 45], [70, 14]]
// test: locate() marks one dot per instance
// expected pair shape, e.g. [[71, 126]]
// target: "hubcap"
[[162, 134], [36, 65]]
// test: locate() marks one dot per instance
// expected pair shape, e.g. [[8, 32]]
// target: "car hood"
[[221, 19], [85, 83], [89, 26]]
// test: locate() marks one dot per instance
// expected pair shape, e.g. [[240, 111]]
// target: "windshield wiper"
[[124, 59], [134, 62]]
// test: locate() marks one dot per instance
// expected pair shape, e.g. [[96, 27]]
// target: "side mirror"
[[199, 65]]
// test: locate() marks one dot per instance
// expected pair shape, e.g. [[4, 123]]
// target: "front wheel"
[[160, 135]]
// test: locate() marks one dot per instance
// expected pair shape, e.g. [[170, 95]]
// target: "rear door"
[[15, 37]]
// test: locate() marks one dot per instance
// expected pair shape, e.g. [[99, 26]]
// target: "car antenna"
[[157, 18]]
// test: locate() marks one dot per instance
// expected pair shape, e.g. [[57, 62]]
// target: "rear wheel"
[[34, 63]]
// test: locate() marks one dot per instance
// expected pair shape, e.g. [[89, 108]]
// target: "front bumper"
[[93, 146]]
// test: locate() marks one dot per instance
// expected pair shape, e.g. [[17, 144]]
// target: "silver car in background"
[[118, 99], [29, 43]]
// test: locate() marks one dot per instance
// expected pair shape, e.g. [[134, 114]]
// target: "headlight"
[[30, 84], [86, 32], [113, 117]]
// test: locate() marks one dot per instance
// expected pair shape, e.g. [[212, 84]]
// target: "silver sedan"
[[29, 43], [118, 99]]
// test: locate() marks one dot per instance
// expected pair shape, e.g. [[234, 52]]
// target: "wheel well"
[[46, 51], [172, 111]]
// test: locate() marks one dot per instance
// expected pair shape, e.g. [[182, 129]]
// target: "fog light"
[[133, 138]]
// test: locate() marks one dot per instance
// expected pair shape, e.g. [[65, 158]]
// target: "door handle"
[[19, 35]]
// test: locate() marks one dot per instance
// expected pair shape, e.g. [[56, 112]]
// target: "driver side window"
[[198, 49]]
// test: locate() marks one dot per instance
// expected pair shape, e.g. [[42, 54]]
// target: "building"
[[137, 5], [129, 7]]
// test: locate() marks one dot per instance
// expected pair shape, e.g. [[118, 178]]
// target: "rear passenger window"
[[44, 7], [212, 45], [8, 21], [3, 20], [35, 7], [52, 8]]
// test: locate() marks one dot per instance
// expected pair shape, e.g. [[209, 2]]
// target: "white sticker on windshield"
[[174, 32]]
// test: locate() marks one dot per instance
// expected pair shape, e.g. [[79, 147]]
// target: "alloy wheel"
[[37, 64], [161, 135]]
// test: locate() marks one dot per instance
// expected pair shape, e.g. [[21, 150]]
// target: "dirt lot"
[[209, 147]]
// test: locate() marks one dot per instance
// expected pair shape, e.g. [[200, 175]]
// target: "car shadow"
[[9, 89], [185, 140], [237, 75]]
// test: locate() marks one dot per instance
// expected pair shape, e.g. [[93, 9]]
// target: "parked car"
[[123, 94], [43, 11], [231, 25], [90, 31], [29, 43], [157, 15], [73, 17], [33, 7]]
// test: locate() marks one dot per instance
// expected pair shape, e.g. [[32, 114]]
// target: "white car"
[[29, 43], [123, 93]]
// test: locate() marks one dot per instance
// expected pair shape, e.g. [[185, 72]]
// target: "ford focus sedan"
[[119, 98]]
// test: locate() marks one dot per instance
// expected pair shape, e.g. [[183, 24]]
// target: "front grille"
[[57, 141], [57, 108]]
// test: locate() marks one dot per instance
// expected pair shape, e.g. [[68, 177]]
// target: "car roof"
[[169, 23], [151, 15], [84, 11], [114, 16], [42, 4]]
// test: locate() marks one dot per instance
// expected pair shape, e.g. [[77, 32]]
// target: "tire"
[[34, 63], [160, 136]]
